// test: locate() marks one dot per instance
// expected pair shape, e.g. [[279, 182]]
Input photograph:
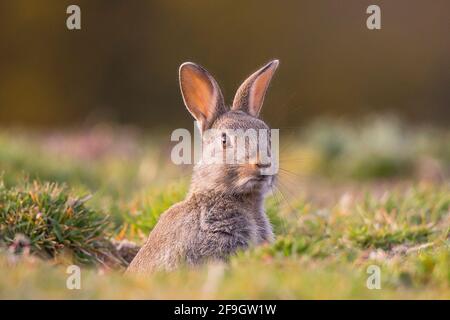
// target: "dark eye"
[[224, 139]]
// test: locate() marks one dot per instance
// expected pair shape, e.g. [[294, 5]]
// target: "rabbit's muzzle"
[[262, 165]]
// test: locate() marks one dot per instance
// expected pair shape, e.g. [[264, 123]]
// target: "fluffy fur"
[[224, 209]]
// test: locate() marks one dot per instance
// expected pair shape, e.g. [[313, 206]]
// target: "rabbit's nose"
[[263, 165]]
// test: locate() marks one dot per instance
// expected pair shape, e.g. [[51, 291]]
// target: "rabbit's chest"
[[230, 230]]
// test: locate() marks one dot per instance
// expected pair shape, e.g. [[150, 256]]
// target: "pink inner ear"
[[198, 92], [258, 91], [250, 95]]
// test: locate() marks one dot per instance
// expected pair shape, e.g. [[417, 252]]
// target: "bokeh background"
[[86, 116], [122, 66]]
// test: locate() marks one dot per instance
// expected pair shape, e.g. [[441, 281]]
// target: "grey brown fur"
[[224, 209]]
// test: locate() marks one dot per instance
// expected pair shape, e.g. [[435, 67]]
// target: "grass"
[[46, 220], [348, 197]]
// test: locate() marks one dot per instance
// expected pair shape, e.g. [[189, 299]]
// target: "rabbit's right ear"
[[250, 95], [201, 94]]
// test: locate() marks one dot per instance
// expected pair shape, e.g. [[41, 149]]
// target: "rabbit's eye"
[[224, 139]]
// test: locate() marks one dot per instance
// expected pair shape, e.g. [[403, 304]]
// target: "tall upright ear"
[[250, 95], [201, 94]]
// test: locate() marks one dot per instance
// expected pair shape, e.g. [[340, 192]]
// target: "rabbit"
[[223, 211]]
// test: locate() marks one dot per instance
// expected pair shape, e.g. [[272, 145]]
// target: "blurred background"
[[122, 66], [86, 116]]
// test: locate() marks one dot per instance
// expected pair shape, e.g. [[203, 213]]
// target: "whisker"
[[282, 159], [285, 199], [291, 173], [279, 202], [288, 189]]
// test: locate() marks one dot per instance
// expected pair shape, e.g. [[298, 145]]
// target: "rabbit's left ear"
[[250, 95]]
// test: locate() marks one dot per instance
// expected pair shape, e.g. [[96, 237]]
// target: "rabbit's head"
[[236, 143]]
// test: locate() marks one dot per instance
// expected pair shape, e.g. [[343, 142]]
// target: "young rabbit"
[[224, 208]]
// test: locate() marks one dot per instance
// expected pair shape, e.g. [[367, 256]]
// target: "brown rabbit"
[[224, 208]]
